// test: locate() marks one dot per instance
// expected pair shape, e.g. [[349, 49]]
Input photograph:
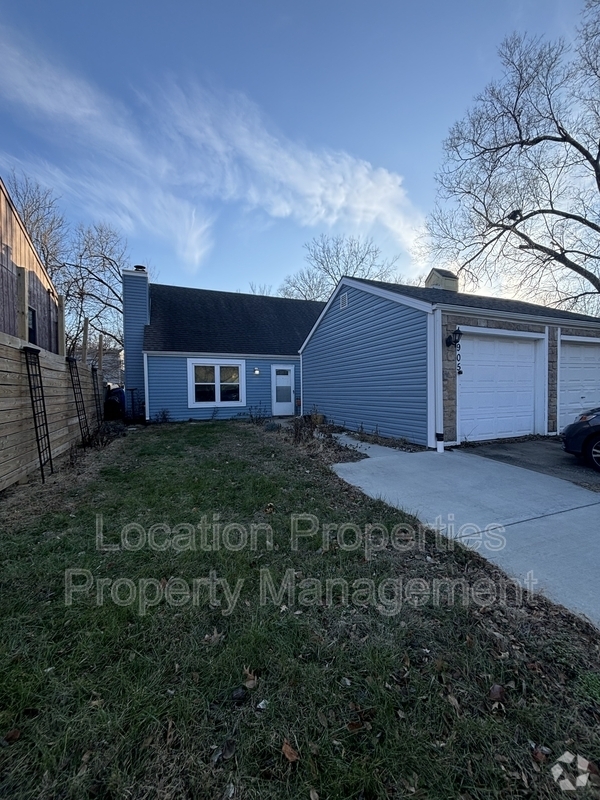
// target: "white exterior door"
[[282, 390], [579, 380], [496, 395]]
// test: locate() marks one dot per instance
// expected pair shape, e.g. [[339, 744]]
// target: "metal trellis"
[[79, 404], [38, 406]]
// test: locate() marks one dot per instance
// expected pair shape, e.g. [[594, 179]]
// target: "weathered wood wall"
[[17, 251], [18, 448]]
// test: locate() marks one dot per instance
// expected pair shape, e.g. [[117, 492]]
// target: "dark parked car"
[[582, 437]]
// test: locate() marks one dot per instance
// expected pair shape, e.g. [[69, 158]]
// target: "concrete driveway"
[[541, 455], [550, 526]]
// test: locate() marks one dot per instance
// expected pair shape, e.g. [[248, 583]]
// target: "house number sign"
[[458, 366]]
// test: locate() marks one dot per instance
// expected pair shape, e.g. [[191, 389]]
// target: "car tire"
[[592, 452]]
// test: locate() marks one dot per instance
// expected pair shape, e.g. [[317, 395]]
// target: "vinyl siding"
[[168, 388], [366, 365], [135, 317]]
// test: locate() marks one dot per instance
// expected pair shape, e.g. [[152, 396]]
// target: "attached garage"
[[500, 386], [439, 367], [579, 378]]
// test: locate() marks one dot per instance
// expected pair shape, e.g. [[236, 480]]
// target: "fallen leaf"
[[497, 693], [346, 682], [229, 792], [538, 755], [239, 695], [12, 735], [216, 637], [314, 795], [170, 732], [195, 677], [289, 752], [322, 718], [454, 703], [355, 726], [263, 705], [228, 749], [251, 679]]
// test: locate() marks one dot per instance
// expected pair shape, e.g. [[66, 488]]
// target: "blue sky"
[[220, 135]]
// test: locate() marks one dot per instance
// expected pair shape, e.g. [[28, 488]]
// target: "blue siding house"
[[436, 366], [200, 354], [365, 364]]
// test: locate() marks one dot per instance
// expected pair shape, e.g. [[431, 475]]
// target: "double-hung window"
[[216, 383]]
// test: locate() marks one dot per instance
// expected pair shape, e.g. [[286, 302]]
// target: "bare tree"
[[333, 257], [520, 185], [261, 288], [91, 283], [43, 219], [84, 263]]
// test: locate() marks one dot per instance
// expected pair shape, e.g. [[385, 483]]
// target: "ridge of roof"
[[209, 321], [476, 301]]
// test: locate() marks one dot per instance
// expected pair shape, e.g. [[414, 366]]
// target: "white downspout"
[[439, 385]]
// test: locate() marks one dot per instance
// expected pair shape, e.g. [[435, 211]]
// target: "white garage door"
[[579, 380], [496, 392]]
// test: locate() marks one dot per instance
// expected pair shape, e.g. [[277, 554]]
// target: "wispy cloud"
[[169, 162]]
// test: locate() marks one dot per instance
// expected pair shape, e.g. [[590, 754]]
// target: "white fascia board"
[[439, 377], [396, 297], [196, 354], [473, 311], [431, 381], [375, 290], [146, 393], [321, 315], [581, 339], [301, 387]]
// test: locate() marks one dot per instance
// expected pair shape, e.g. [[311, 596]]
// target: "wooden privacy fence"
[[18, 446]]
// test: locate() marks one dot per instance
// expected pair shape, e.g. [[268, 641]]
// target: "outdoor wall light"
[[454, 338], [256, 371]]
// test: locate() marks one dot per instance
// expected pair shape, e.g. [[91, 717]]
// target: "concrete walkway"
[[551, 527]]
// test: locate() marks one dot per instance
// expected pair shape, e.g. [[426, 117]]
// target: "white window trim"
[[215, 362]]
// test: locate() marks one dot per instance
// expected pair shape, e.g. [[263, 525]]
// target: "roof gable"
[[205, 321]]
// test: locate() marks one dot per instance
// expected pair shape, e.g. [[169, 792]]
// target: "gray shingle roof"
[[445, 273], [205, 321], [501, 304]]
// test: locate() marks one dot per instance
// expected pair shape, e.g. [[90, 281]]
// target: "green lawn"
[[377, 695]]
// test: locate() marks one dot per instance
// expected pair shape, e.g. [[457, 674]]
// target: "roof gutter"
[[533, 318]]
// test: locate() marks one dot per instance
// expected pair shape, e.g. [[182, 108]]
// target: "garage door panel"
[[496, 392], [579, 387]]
